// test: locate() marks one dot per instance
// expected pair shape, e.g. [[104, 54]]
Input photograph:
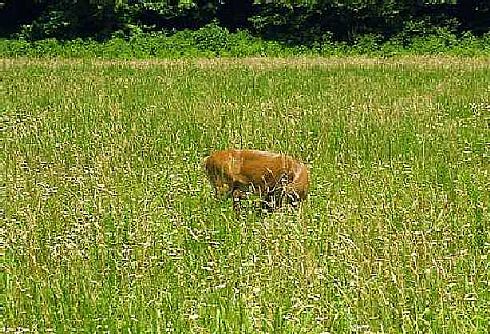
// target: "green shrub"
[[439, 42], [212, 41], [14, 48], [49, 47], [367, 44], [212, 38]]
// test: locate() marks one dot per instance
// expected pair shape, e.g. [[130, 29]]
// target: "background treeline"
[[215, 25]]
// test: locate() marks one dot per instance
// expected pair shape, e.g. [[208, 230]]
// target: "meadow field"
[[108, 223]]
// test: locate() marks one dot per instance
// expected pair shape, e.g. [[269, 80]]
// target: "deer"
[[277, 178]]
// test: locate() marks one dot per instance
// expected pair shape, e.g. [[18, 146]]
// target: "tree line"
[[300, 22]]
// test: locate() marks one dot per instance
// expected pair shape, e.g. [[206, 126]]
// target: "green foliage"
[[439, 42], [290, 22], [213, 40], [69, 19], [367, 44]]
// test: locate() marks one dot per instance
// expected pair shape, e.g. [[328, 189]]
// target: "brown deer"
[[275, 177]]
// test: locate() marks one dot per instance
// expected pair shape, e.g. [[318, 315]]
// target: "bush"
[[212, 38], [367, 44], [212, 41], [439, 42], [14, 48]]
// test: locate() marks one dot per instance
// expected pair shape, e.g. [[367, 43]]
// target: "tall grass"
[[109, 224]]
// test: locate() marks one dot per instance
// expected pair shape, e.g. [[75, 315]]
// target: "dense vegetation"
[[109, 224], [212, 40], [216, 27]]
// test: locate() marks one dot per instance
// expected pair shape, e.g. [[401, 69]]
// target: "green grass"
[[109, 224]]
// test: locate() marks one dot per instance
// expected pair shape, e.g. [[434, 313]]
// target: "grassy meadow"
[[108, 223]]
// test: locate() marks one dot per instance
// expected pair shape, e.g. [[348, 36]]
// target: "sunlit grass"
[[109, 223]]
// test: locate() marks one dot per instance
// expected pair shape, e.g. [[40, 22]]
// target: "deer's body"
[[273, 176]]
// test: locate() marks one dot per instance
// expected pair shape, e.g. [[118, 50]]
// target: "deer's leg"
[[272, 200], [293, 199], [267, 203], [237, 196]]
